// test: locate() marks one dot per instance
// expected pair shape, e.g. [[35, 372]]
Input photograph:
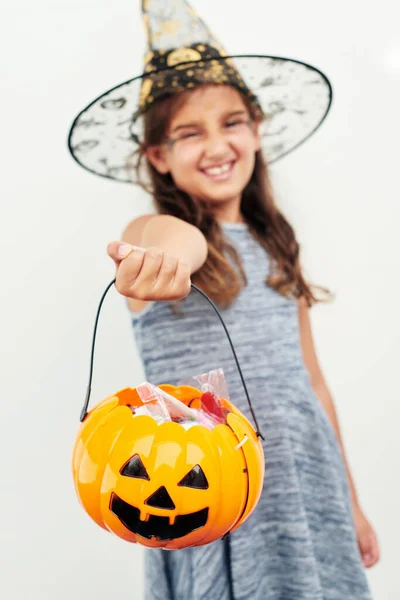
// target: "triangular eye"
[[195, 479], [135, 468]]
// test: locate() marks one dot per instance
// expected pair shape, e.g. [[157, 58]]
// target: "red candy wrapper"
[[213, 387]]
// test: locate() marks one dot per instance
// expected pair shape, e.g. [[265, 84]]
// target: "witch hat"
[[182, 53]]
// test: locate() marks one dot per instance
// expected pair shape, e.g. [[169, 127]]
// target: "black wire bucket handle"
[[86, 403]]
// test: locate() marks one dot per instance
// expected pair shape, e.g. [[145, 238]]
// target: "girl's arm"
[[171, 235], [156, 236], [319, 385], [367, 540]]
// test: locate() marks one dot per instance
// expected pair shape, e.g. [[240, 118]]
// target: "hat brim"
[[295, 97]]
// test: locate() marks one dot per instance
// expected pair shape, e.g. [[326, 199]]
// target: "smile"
[[155, 526], [220, 173]]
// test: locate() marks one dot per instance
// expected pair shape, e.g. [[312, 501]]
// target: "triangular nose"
[[160, 499]]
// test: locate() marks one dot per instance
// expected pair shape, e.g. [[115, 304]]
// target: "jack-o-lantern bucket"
[[163, 485]]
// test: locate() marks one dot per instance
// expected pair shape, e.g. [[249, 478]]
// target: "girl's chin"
[[218, 194], [218, 200]]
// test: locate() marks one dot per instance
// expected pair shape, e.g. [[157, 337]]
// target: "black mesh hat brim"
[[295, 98]]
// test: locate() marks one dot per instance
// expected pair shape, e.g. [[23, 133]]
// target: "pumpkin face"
[[162, 485], [155, 526]]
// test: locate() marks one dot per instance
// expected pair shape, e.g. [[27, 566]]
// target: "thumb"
[[118, 251]]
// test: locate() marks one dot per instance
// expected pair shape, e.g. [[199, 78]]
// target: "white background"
[[340, 191]]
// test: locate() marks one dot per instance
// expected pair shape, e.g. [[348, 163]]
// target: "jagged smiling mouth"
[[155, 526]]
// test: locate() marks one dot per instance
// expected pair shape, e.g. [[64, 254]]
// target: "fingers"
[[118, 251], [371, 556], [149, 274], [369, 548], [166, 273], [151, 263], [164, 277], [182, 282]]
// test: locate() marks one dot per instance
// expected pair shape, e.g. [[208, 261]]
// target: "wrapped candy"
[[153, 403], [163, 407], [206, 410], [212, 386]]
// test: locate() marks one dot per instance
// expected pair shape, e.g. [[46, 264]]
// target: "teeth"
[[218, 170]]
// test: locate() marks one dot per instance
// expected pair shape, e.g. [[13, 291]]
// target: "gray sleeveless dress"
[[299, 544]]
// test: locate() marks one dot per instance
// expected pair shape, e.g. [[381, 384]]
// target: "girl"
[[217, 225], [300, 542]]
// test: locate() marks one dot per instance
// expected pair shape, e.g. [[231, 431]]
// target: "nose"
[[216, 146], [160, 499]]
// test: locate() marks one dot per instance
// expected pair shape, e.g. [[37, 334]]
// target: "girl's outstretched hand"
[[149, 274], [367, 539]]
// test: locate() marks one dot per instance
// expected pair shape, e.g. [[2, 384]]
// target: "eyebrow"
[[196, 123]]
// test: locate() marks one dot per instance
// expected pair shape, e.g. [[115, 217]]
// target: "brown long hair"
[[222, 276]]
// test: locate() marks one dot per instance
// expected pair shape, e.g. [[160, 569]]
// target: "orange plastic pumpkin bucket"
[[161, 485]]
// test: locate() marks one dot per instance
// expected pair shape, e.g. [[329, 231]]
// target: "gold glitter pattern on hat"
[[178, 69], [182, 55]]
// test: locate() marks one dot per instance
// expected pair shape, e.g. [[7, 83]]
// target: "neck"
[[229, 213]]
